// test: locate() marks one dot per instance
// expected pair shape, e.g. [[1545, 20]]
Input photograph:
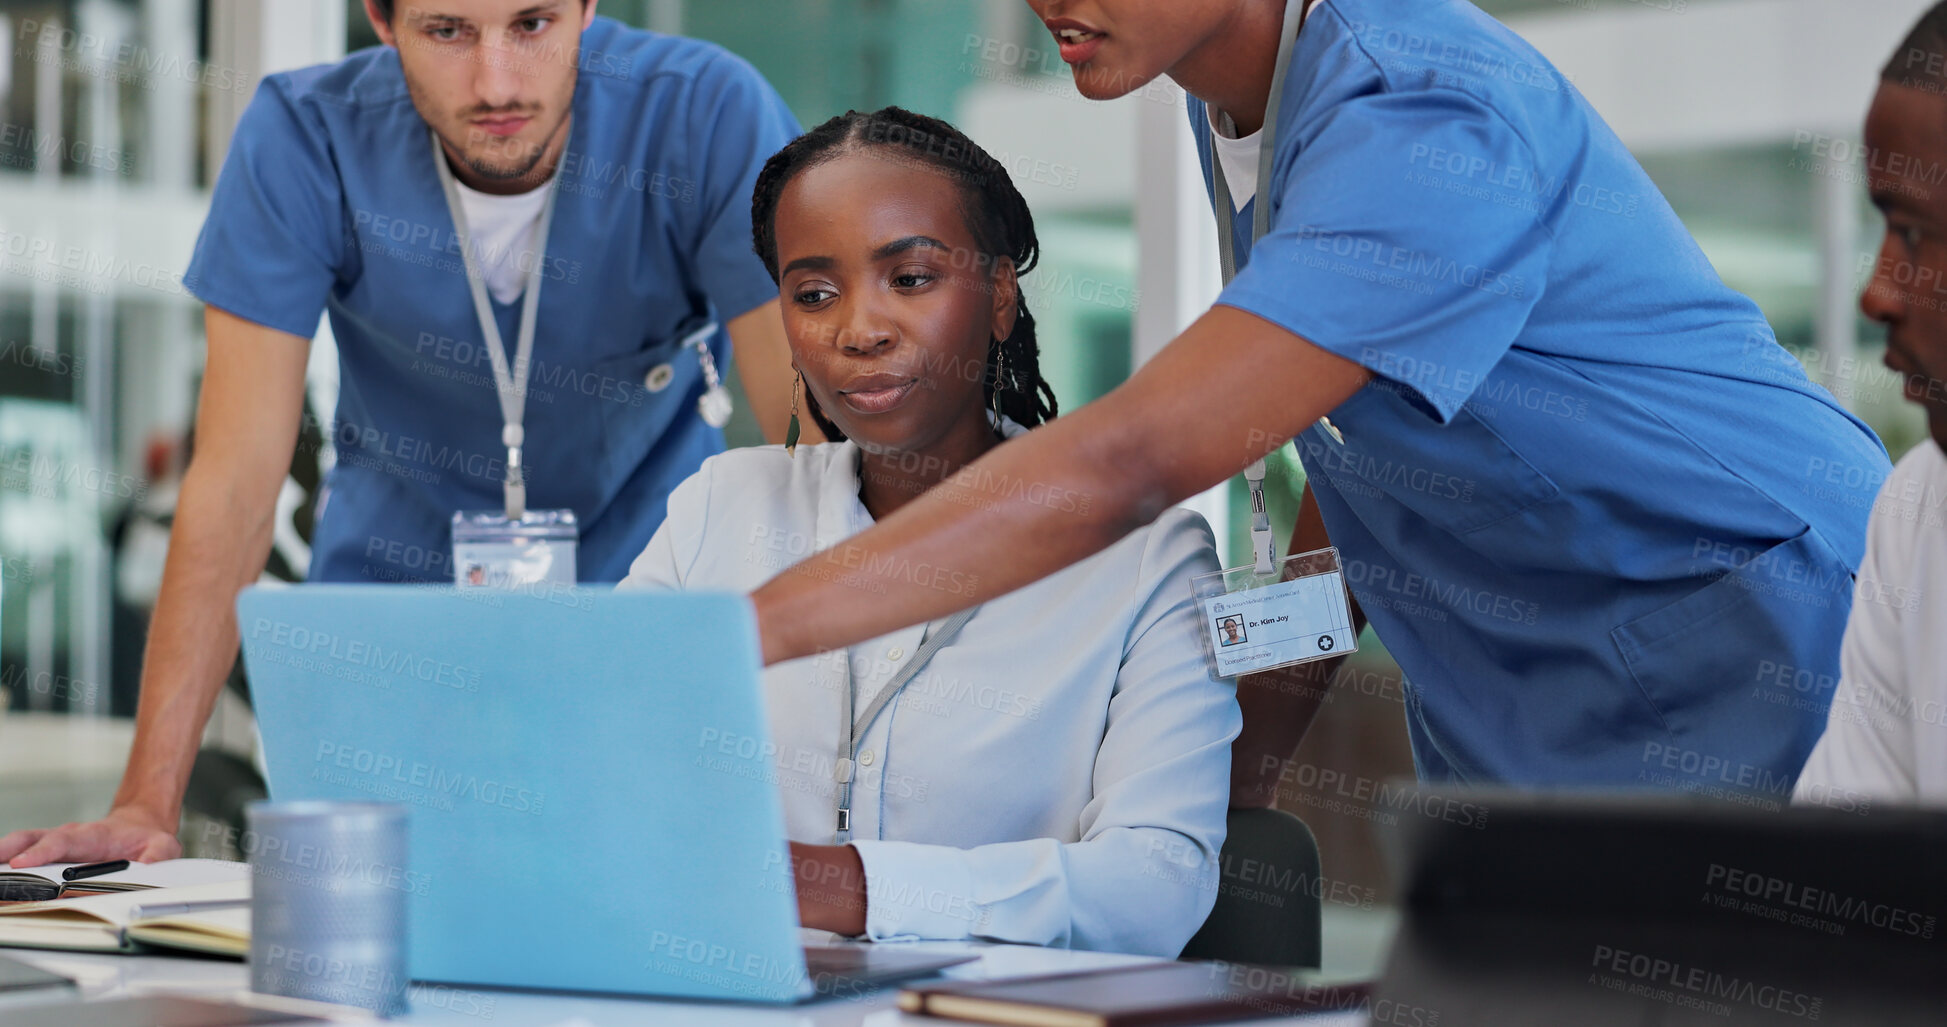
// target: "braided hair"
[[996, 215]]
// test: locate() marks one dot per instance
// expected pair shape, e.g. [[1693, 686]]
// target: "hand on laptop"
[[831, 887], [124, 833]]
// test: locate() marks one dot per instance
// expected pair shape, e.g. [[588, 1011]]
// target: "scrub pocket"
[[1701, 660], [1462, 476], [634, 416]]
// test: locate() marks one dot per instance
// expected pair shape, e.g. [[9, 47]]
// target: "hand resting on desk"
[[122, 834]]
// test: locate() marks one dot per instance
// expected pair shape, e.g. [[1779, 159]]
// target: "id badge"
[[1296, 614], [490, 551]]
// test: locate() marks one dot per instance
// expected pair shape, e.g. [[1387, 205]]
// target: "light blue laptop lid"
[[589, 776]]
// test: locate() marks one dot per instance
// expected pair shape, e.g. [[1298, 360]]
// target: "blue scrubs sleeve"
[[1421, 287], [744, 122], [270, 247]]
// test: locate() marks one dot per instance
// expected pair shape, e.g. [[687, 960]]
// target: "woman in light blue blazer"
[[1052, 770]]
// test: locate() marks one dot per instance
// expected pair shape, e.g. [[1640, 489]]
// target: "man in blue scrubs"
[[1589, 504], [330, 201]]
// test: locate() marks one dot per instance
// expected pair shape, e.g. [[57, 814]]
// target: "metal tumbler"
[[328, 902]]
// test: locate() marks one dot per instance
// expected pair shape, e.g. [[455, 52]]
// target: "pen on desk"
[[87, 870], [173, 908]]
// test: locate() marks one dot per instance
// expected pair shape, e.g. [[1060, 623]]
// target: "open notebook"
[[37, 884], [110, 922]]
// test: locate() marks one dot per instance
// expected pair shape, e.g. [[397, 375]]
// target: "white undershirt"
[[503, 229], [1239, 157]]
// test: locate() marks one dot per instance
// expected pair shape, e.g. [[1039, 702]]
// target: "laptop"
[[1632, 908], [589, 776]]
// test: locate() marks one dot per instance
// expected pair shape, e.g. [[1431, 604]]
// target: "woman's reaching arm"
[[1229, 390]]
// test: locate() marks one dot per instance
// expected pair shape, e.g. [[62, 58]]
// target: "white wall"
[[1737, 71]]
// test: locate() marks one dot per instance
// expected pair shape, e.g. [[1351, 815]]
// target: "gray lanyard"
[[1263, 544], [511, 384], [849, 733], [1294, 23]]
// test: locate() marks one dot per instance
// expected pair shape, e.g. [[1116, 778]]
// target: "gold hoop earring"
[[791, 430]]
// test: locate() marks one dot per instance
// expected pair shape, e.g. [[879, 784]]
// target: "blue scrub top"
[[1599, 516], [330, 201]]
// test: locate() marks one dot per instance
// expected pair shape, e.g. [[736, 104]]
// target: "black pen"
[[87, 870]]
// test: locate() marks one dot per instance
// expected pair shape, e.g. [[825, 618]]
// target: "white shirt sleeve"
[[1867, 748], [1143, 875], [671, 554]]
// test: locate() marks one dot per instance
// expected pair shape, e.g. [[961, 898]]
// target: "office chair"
[[1268, 905]]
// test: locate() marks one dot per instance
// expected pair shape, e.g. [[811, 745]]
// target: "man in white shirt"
[[1887, 733]]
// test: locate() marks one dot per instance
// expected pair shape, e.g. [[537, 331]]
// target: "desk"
[[108, 976]]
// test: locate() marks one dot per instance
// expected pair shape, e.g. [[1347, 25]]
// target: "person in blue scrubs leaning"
[[1585, 498], [330, 201]]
